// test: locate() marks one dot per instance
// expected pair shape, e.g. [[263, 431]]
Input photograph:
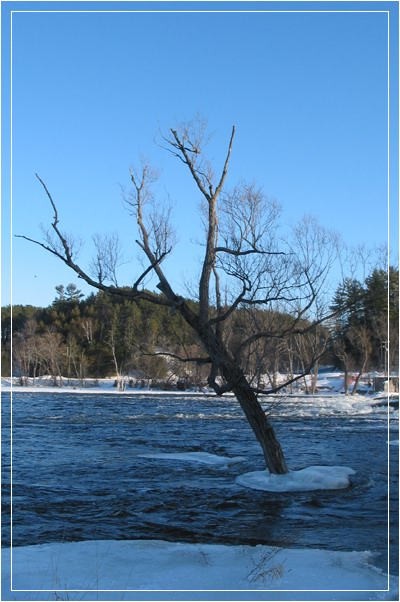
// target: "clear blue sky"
[[307, 91]]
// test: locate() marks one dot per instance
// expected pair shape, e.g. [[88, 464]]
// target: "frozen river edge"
[[160, 570]]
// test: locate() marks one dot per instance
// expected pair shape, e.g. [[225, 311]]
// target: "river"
[[77, 473]]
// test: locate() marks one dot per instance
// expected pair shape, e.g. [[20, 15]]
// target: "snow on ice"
[[307, 479], [202, 457], [160, 570]]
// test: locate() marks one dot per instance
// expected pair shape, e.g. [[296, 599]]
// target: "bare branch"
[[212, 381], [194, 360], [225, 168], [108, 257], [260, 391], [54, 225], [190, 161], [64, 253]]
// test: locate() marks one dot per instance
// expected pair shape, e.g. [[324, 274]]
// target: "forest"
[[142, 343]]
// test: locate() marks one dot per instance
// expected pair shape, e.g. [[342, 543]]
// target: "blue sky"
[[307, 91]]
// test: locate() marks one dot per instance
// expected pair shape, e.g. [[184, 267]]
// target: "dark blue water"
[[77, 474]]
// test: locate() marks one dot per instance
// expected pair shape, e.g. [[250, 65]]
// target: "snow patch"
[[202, 457], [109, 570], [306, 479]]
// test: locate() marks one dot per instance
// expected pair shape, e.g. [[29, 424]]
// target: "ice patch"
[[306, 479], [202, 457]]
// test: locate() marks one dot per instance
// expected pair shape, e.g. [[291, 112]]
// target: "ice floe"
[[306, 479], [202, 457]]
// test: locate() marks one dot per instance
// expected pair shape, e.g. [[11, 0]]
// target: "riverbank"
[[160, 570], [108, 386], [89, 386]]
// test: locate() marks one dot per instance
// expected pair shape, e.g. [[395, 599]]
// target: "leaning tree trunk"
[[256, 417], [262, 429], [238, 384]]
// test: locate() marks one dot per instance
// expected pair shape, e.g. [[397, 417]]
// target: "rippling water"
[[78, 474]]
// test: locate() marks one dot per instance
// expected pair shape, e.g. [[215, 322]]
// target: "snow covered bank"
[[159, 570], [44, 384], [98, 386], [307, 479]]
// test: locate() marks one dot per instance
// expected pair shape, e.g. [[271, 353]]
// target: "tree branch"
[[189, 162], [151, 267], [239, 253], [196, 360], [66, 257], [225, 169], [260, 391]]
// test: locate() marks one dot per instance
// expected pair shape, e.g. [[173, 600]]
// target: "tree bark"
[[259, 422], [236, 382]]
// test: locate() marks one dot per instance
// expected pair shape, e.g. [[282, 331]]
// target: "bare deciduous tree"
[[243, 255], [361, 340], [26, 352], [107, 259], [52, 354]]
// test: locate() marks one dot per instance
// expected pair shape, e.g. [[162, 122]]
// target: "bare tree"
[[310, 347], [52, 353], [26, 356], [361, 341], [340, 349], [75, 358], [242, 254], [108, 257], [111, 342]]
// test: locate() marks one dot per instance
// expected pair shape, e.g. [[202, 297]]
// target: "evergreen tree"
[[368, 320]]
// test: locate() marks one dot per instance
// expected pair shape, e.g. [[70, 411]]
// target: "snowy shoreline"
[[106, 386], [109, 570]]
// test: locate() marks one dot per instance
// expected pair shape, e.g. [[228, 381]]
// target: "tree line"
[[96, 337], [139, 342]]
